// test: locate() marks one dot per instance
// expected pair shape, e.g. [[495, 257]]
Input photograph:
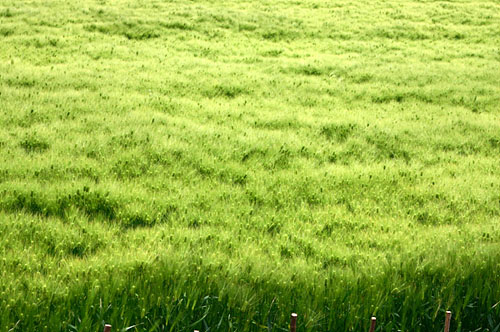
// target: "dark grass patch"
[[6, 32], [277, 124], [7, 13], [76, 242], [233, 176], [129, 168], [34, 144], [42, 42], [21, 82], [388, 147], [31, 118], [134, 220], [279, 35], [272, 53], [280, 160], [225, 91], [176, 25], [399, 33], [93, 204], [388, 98], [341, 226], [361, 78], [130, 30], [130, 140], [308, 70], [338, 132], [461, 148], [247, 27], [251, 154], [494, 142]]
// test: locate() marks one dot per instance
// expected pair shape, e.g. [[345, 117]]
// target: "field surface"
[[216, 165]]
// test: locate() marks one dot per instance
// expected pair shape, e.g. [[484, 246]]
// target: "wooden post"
[[293, 322], [107, 328], [372, 324], [447, 321]]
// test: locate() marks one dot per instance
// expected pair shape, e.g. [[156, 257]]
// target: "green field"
[[217, 165]]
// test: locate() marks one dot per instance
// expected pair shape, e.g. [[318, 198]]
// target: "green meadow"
[[171, 165]]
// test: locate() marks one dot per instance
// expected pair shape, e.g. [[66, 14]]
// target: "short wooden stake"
[[107, 328], [372, 324], [447, 321], [293, 322], [196, 331]]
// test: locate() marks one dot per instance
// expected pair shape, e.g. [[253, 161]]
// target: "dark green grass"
[[176, 165]]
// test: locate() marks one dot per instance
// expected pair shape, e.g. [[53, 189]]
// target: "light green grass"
[[180, 165]]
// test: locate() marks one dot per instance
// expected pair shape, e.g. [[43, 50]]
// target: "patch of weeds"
[[464, 149], [400, 32], [31, 202], [6, 13], [226, 91], [338, 132], [454, 35], [273, 227], [130, 140], [341, 226], [278, 124], [255, 198], [361, 78], [310, 70], [309, 195], [54, 42], [247, 27], [271, 53], [388, 147], [194, 223], [426, 218], [92, 203], [134, 220], [279, 35], [304, 247], [334, 261], [167, 213], [285, 252], [224, 20], [494, 142], [332, 157], [281, 159], [388, 97], [176, 26], [128, 168], [34, 144], [236, 177], [30, 118], [253, 153], [141, 34], [5, 32], [130, 30], [21, 82], [353, 151]]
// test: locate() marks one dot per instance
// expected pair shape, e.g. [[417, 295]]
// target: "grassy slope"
[[163, 162]]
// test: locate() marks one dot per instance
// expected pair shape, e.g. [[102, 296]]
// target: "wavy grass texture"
[[216, 165]]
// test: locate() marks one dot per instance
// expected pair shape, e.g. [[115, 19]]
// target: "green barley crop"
[[171, 165]]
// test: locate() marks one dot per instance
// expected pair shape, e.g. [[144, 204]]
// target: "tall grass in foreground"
[[197, 288]]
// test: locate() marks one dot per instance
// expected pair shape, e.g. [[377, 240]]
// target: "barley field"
[[216, 165]]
